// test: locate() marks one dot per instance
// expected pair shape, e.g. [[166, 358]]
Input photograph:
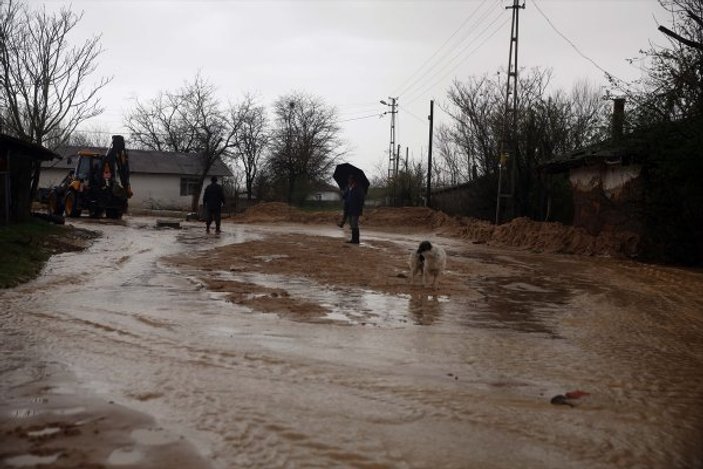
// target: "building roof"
[[30, 149], [147, 162], [624, 151]]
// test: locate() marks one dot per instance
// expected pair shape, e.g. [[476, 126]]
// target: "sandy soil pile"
[[556, 237], [271, 212], [520, 233], [419, 217]]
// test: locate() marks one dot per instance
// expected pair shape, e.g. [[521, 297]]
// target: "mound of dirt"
[[267, 212], [271, 212], [556, 237], [420, 217], [520, 233]]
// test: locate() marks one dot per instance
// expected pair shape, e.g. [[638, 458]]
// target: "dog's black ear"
[[424, 246]]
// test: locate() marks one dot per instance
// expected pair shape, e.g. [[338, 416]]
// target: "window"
[[188, 185], [83, 170]]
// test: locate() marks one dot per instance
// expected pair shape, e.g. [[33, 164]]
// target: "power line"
[[365, 104], [578, 51], [359, 112], [466, 20], [421, 93], [379, 115], [412, 88], [411, 114]]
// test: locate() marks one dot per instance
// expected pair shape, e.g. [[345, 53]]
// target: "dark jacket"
[[214, 196], [354, 201]]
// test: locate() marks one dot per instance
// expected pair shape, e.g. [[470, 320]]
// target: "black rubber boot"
[[355, 236]]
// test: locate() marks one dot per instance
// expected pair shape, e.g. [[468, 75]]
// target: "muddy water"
[[406, 380]]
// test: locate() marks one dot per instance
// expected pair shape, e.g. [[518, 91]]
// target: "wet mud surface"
[[280, 345]]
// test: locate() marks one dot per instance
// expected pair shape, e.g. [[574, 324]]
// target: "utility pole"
[[397, 159], [429, 155], [392, 160], [392, 157], [510, 135]]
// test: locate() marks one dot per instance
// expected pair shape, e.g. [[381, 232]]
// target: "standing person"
[[213, 200], [354, 206], [345, 215]]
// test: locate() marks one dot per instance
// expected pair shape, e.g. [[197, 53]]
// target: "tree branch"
[[683, 40]]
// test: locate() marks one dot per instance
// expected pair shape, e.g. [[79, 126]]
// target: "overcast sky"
[[352, 53]]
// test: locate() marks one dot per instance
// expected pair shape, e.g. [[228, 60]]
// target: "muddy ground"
[[377, 265], [277, 344]]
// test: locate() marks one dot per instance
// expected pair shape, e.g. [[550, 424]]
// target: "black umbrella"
[[342, 173]]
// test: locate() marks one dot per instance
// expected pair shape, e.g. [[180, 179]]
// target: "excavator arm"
[[117, 160]]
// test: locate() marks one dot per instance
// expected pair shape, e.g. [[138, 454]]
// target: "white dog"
[[427, 260]]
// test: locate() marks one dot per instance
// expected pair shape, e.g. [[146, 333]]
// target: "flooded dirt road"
[[280, 346]]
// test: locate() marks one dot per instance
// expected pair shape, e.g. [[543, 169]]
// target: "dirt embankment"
[[520, 233]]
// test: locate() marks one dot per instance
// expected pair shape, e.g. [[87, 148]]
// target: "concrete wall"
[[607, 198], [474, 199], [158, 191], [151, 191], [50, 177]]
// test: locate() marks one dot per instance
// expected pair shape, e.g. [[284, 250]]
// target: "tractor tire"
[[54, 204], [113, 213], [96, 213], [71, 205]]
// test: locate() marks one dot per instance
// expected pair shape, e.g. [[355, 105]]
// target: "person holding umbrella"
[[354, 206], [354, 185]]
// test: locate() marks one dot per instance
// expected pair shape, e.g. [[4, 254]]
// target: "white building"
[[324, 193], [160, 180]]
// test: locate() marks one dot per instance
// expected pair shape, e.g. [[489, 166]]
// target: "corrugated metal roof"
[[146, 161]]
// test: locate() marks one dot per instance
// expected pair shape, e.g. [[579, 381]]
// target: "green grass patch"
[[25, 247]]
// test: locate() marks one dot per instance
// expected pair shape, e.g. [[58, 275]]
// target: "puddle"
[[125, 457], [153, 437], [353, 306], [44, 432], [337, 317], [526, 287], [271, 257], [25, 413], [26, 460], [69, 411]]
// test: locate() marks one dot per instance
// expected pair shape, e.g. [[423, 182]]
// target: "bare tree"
[[548, 124], [672, 86], [475, 108], [45, 87], [453, 165], [251, 139], [691, 31], [188, 120], [94, 136], [305, 141]]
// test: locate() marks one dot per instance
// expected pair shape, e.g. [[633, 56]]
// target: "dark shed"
[[17, 161]]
